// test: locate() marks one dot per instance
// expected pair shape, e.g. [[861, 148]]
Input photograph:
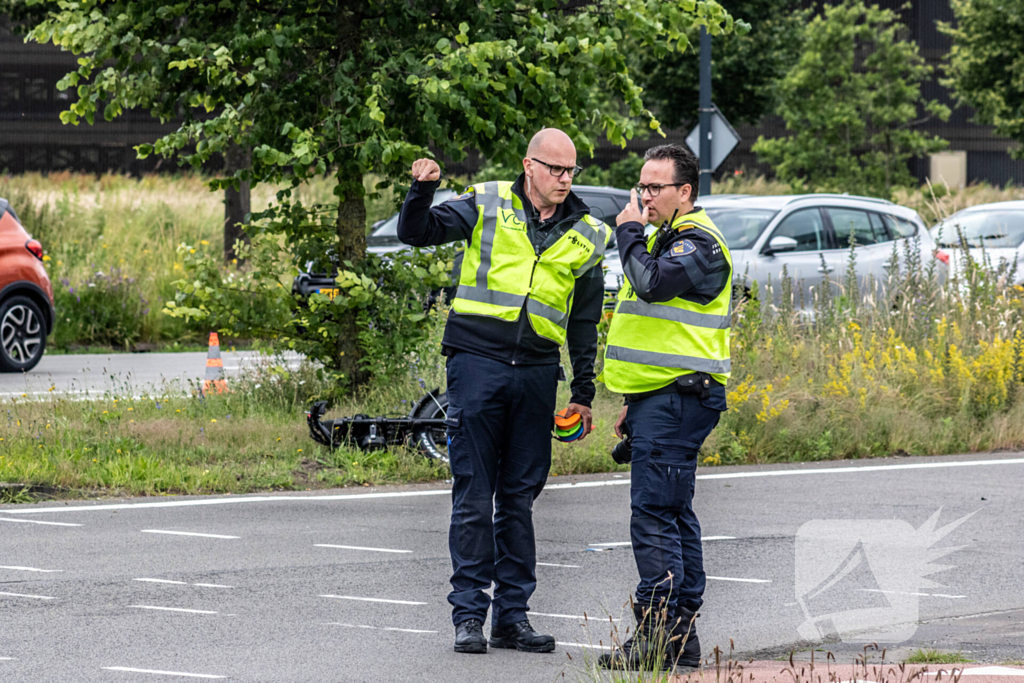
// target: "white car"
[[809, 235], [993, 233]]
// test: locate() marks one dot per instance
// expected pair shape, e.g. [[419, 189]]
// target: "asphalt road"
[[122, 374], [351, 585]]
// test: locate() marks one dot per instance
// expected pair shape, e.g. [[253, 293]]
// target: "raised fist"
[[426, 170]]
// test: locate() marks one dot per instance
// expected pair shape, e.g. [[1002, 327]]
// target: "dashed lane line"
[[571, 616], [390, 602], [25, 595], [552, 564], [379, 628], [183, 674], [36, 521], [729, 578], [587, 646], [621, 544], [172, 609], [358, 547], [849, 469], [202, 536], [183, 583], [31, 569]]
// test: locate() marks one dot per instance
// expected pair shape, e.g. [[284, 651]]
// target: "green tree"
[[745, 67], [986, 63], [852, 104], [350, 88]]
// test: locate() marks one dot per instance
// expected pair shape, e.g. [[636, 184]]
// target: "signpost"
[[713, 138]]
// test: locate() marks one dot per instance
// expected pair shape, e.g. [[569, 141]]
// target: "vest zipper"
[[524, 312]]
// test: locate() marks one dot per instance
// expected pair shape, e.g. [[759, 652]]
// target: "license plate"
[[329, 293]]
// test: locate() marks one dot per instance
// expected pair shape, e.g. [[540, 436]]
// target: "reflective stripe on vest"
[[651, 344], [501, 270]]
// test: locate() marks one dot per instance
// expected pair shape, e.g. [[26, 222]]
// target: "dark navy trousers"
[[499, 421], [668, 430]]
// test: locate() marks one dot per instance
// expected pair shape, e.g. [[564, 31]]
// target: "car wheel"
[[22, 334]]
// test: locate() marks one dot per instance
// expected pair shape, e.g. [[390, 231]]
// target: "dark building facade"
[[32, 137]]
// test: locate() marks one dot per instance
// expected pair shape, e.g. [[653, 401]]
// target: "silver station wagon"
[[809, 235]]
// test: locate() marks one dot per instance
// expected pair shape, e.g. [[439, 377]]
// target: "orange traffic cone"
[[214, 368]]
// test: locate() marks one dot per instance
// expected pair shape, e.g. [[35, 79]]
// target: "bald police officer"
[[530, 281]]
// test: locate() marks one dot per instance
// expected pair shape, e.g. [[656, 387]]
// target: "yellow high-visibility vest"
[[651, 344], [502, 271]]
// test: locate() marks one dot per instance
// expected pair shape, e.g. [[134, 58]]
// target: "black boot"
[[469, 637], [648, 650], [683, 639], [521, 636]]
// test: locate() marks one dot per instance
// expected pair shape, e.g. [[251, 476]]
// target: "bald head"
[[551, 140], [549, 150]]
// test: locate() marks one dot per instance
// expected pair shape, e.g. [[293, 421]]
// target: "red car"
[[26, 296]]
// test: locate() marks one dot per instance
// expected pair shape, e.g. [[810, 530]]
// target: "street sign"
[[723, 139]]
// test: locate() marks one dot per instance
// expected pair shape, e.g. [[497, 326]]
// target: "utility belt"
[[696, 383]]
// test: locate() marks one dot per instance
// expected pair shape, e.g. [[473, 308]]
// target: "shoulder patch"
[[684, 248]]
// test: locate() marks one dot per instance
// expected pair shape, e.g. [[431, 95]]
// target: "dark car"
[[26, 296]]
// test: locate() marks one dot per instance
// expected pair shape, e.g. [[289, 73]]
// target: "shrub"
[[105, 309]]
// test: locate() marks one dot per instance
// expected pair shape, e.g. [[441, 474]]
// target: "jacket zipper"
[[524, 312]]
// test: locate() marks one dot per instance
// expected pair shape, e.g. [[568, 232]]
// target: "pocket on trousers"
[[453, 419], [670, 473]]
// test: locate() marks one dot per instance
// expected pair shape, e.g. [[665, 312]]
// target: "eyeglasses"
[[557, 171], [655, 190]]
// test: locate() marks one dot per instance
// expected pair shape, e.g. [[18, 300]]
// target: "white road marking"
[[23, 595], [173, 609], [926, 595], [357, 547], [184, 583], [36, 521], [569, 616], [584, 645], [7, 659], [552, 564], [392, 602], [32, 569], [379, 628], [161, 673], [617, 544], [185, 533], [728, 578], [854, 469], [982, 671]]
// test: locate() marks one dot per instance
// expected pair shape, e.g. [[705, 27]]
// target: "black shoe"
[[686, 644], [522, 637], [469, 637]]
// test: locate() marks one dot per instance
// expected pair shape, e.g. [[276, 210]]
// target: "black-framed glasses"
[[557, 171], [655, 189]]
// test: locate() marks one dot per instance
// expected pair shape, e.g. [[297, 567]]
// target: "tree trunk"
[[236, 202], [351, 230]]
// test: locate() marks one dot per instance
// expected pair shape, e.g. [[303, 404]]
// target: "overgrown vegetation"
[[936, 657]]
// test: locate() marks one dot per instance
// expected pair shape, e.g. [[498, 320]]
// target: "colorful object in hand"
[[568, 428]]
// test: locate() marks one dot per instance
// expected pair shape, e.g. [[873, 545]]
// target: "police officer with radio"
[[530, 281], [668, 353]]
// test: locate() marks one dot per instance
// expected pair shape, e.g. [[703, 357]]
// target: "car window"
[[993, 229], [389, 228], [855, 224], [882, 233], [603, 208], [806, 227], [740, 226], [899, 227]]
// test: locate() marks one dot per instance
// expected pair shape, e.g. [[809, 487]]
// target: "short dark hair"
[[686, 169]]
